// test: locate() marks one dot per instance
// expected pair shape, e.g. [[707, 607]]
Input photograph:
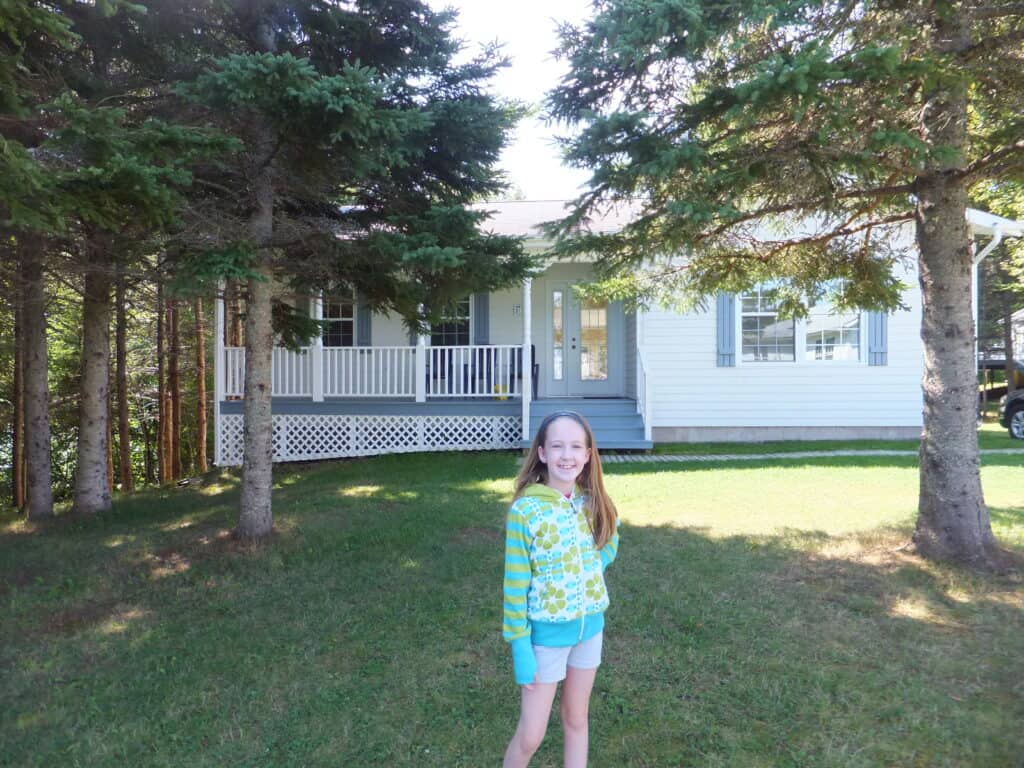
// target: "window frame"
[[799, 344], [469, 325], [324, 302]]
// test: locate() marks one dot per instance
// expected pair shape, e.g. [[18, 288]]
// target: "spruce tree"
[[731, 124]]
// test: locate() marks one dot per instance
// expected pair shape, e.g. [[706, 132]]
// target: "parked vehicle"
[[1011, 413]]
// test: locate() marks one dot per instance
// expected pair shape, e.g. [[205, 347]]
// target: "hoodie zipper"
[[579, 560]]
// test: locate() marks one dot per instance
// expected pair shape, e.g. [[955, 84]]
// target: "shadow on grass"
[[367, 634]]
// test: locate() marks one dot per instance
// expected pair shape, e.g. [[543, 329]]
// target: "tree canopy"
[[782, 140]]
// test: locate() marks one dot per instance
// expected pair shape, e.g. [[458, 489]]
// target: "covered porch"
[[364, 398]]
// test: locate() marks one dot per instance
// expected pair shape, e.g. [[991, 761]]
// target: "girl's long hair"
[[601, 512]]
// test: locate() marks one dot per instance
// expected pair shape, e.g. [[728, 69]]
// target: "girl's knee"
[[530, 736], [574, 718]]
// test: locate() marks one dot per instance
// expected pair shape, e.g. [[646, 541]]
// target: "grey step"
[[587, 407], [604, 422]]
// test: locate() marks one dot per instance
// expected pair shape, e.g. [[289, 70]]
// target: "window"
[[453, 330], [765, 336], [825, 334], [832, 335], [339, 323]]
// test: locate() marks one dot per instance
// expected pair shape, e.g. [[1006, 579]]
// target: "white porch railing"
[[475, 371], [292, 373], [449, 372], [369, 371]]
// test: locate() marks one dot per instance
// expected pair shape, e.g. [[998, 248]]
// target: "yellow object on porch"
[[501, 391]]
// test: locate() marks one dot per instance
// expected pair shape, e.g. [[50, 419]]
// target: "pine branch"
[[843, 231], [998, 11], [803, 205], [1000, 159], [991, 44]]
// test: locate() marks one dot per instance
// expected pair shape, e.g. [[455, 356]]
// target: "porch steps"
[[615, 422]]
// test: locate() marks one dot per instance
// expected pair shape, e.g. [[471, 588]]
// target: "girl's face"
[[565, 452]]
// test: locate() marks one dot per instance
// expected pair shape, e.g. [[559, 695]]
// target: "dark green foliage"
[[773, 140]]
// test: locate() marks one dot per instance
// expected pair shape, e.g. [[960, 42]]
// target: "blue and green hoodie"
[[554, 577]]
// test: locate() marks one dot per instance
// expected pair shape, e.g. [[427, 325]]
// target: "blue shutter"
[[481, 318], [878, 338], [726, 330], [364, 324]]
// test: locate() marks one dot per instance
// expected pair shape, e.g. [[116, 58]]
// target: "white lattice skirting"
[[304, 437]]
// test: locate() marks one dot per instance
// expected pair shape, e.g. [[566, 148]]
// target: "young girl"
[[561, 534]]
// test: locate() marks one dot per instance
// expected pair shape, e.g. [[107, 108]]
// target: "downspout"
[[997, 238]]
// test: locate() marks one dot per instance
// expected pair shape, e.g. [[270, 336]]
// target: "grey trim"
[[364, 324], [481, 318], [878, 338], [726, 329]]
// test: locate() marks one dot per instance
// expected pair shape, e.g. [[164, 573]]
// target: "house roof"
[[983, 223], [524, 217]]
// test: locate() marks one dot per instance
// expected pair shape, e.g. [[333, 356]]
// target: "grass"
[[990, 436], [762, 615]]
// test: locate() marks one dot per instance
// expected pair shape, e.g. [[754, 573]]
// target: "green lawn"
[[990, 436], [761, 616]]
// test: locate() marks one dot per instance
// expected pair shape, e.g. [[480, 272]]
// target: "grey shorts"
[[551, 662]]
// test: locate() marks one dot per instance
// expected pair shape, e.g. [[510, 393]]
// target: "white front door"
[[584, 344]]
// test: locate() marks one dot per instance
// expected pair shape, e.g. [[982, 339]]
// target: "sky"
[[527, 30]]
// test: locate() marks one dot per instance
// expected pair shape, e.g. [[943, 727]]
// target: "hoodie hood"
[[546, 492]]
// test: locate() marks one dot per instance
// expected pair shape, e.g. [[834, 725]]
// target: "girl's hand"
[[531, 686]]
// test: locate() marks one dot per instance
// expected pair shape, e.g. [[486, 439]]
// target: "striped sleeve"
[[610, 549], [515, 623]]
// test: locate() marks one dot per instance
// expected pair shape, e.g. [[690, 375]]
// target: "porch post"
[[316, 350], [421, 365], [527, 371], [218, 371]]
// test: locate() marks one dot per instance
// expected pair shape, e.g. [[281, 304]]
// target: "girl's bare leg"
[[535, 709], [576, 715]]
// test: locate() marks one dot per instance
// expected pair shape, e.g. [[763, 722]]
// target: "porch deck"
[[336, 428]]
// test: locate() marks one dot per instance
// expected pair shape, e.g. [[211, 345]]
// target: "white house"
[[485, 377]]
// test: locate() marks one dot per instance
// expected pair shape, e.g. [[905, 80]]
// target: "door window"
[[594, 340]]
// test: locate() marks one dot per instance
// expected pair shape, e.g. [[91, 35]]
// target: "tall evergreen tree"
[[730, 124], [363, 145]]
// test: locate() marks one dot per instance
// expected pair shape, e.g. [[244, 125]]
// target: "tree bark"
[[18, 398], [161, 425], [38, 456], [953, 522], [255, 518], [123, 429], [147, 456], [201, 464], [174, 386], [91, 491]]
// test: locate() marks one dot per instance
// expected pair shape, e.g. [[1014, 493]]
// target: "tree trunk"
[[123, 429], [91, 491], [201, 465], [255, 518], [18, 427], [38, 456], [952, 522], [110, 449], [174, 386], [161, 419], [147, 453]]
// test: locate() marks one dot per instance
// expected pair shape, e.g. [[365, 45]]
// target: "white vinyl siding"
[[690, 390]]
